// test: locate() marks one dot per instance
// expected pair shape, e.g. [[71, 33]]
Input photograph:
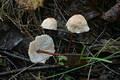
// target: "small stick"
[[13, 55], [29, 69]]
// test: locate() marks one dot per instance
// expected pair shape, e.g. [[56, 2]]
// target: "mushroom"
[[76, 24], [49, 23], [44, 43]]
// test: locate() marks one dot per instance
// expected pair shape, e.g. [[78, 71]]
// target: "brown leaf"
[[113, 14]]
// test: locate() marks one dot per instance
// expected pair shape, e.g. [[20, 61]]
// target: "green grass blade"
[[112, 55], [69, 70], [83, 49], [98, 59]]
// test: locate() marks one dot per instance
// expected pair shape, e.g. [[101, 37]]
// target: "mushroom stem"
[[49, 32], [70, 41], [59, 54]]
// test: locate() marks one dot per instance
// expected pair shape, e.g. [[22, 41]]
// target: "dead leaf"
[[30, 4]]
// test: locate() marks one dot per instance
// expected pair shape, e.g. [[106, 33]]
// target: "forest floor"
[[19, 25]]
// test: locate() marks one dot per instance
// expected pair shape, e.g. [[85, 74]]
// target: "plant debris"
[[20, 23]]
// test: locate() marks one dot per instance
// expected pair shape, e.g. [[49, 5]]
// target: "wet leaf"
[[112, 14], [9, 38]]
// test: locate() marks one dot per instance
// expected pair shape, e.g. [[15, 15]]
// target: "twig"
[[27, 32], [100, 35], [110, 69], [21, 71], [13, 55], [89, 73], [59, 10], [11, 62], [29, 69]]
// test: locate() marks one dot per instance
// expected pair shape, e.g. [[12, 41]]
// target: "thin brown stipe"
[[59, 54]]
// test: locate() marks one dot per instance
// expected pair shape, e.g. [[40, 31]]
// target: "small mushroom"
[[76, 24], [44, 43], [49, 23]]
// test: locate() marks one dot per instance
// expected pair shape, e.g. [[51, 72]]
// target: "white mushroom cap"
[[49, 23], [43, 42], [77, 24]]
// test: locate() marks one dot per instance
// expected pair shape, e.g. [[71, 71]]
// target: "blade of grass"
[[112, 55], [102, 48], [98, 59], [107, 45], [83, 49], [69, 70], [82, 52]]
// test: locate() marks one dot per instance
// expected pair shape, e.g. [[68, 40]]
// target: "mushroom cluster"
[[76, 24]]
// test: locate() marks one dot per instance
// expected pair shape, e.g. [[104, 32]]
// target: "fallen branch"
[[29, 69], [6, 53]]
